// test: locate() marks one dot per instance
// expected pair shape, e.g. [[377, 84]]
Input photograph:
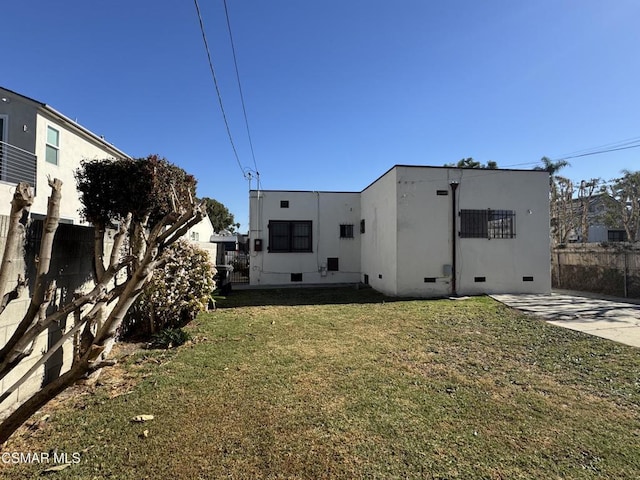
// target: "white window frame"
[[5, 127], [55, 147]]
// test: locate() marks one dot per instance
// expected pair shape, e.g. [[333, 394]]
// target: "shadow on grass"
[[303, 296]]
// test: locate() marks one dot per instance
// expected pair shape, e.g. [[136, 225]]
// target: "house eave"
[[77, 128], [72, 125]]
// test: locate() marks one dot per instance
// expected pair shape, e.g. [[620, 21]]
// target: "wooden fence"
[[611, 270]]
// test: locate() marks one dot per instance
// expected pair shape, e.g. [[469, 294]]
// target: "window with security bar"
[[487, 224]]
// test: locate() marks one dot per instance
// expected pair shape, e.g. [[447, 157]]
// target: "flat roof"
[[486, 170]]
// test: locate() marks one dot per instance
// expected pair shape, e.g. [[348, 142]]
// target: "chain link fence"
[[597, 268]]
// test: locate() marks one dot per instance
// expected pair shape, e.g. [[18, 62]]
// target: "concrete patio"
[[606, 317]]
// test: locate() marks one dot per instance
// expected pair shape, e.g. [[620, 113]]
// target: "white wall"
[[73, 149], [505, 261], [327, 211], [407, 246], [379, 242], [424, 230], [200, 232]]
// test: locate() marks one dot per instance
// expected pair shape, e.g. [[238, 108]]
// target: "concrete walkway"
[[612, 318]]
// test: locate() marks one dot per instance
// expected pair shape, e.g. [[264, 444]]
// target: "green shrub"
[[175, 294], [169, 338]]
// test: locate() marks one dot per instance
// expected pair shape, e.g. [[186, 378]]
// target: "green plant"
[[177, 292], [169, 338], [214, 298]]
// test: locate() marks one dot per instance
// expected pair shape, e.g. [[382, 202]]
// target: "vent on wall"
[[429, 279], [284, 203], [332, 264], [442, 192], [527, 279], [366, 279], [479, 279], [296, 277]]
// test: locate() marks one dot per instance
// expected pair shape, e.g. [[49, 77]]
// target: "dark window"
[[284, 203], [290, 236], [362, 226], [366, 279], [332, 264], [296, 277], [617, 236], [487, 224], [346, 231]]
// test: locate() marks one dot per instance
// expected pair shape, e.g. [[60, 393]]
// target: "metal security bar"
[[502, 224], [487, 224], [17, 165]]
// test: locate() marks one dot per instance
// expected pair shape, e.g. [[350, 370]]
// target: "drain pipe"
[[454, 288]]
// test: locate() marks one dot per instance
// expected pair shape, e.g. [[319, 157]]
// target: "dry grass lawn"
[[343, 383]]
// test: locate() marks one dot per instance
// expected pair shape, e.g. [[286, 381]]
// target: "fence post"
[[558, 275], [626, 275]]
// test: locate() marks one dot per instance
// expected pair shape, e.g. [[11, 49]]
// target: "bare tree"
[[563, 212], [622, 201], [585, 194], [153, 203]]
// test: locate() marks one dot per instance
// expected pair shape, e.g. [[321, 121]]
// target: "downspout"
[[454, 288]]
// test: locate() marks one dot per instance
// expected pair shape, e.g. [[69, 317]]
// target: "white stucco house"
[[415, 231]]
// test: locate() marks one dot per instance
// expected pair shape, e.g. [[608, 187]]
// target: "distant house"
[[597, 230], [415, 231]]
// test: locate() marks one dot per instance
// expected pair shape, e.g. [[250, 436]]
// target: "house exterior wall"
[[73, 149], [327, 211], [378, 204], [201, 232], [598, 233], [27, 122], [407, 246], [20, 116], [424, 231], [504, 262]]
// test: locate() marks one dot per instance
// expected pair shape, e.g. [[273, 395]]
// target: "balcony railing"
[[17, 165]]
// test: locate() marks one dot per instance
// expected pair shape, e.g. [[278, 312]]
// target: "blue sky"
[[336, 91]]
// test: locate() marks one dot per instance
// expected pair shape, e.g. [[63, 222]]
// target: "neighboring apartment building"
[[415, 231], [37, 142]]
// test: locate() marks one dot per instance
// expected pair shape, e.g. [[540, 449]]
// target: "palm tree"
[[551, 166]]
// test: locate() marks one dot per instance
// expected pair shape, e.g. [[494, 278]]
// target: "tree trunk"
[[22, 199]]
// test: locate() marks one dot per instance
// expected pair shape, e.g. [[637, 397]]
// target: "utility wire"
[[598, 152], [620, 143], [215, 81], [244, 110]]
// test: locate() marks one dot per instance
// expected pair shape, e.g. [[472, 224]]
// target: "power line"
[[244, 110], [620, 143], [599, 152], [215, 81]]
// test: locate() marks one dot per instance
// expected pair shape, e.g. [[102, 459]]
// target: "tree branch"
[[49, 230]]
